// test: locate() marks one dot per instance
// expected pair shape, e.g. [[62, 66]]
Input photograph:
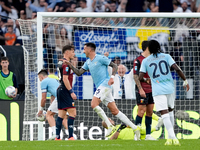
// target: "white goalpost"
[[120, 34]]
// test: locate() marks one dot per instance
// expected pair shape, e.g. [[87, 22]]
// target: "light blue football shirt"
[[158, 69], [50, 85], [98, 68]]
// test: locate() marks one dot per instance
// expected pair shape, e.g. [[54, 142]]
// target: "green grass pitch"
[[97, 145]]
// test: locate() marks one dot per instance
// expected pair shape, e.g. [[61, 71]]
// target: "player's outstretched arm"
[[181, 74], [78, 72]]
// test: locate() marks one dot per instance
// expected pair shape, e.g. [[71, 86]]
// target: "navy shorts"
[[64, 99], [144, 101]]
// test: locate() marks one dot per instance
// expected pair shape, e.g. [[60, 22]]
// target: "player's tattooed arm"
[[137, 81], [78, 72], [114, 68]]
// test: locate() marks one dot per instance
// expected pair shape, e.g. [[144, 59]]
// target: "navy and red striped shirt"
[[136, 70], [65, 70]]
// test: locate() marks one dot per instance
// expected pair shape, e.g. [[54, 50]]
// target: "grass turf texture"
[[97, 145]]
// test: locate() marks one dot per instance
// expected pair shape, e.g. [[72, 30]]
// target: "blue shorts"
[[64, 99]]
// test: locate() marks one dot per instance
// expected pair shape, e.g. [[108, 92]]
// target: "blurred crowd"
[[10, 10]]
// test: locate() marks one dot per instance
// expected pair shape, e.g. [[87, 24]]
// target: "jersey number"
[[159, 65], [97, 92]]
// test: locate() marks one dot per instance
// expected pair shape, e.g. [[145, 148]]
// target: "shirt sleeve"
[[105, 60], [15, 84], [136, 67], [143, 67], [85, 66], [170, 60], [44, 86], [66, 70]]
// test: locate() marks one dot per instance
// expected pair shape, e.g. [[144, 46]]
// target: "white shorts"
[[162, 102], [104, 94], [54, 106]]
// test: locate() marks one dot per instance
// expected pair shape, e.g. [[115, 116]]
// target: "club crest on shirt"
[[141, 100], [67, 68]]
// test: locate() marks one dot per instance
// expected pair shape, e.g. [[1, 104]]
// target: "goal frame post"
[[41, 15]]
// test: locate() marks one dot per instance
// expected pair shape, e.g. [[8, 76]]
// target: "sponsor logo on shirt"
[[135, 67]]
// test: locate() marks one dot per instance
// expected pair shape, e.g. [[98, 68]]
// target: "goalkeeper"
[[124, 132]]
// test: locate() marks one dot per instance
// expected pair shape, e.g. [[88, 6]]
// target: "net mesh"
[[121, 38]]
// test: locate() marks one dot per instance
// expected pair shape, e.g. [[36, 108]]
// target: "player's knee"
[[48, 116], [141, 112], [114, 112], [149, 113], [93, 105]]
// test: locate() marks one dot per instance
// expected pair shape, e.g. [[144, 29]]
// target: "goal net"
[[121, 35]]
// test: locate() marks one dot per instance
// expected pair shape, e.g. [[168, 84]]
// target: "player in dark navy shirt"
[[65, 94]]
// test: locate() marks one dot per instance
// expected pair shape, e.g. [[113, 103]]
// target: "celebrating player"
[[124, 132], [65, 94], [49, 85], [98, 67], [157, 65], [144, 104]]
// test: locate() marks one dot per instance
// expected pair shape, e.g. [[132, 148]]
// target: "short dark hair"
[[145, 44], [4, 59], [67, 48], [91, 45], [154, 47], [43, 72], [117, 58], [83, 1]]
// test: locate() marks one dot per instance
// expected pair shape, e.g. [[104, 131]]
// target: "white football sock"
[[53, 129], [171, 115], [168, 126], [102, 115], [66, 131], [125, 120]]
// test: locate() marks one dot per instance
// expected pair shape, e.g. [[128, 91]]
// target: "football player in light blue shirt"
[[98, 67], [50, 85], [157, 65]]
